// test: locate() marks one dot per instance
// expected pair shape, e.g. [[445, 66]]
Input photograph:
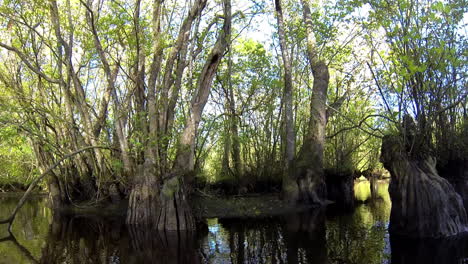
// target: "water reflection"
[[28, 230], [430, 251], [309, 237], [360, 237], [365, 191], [97, 240], [296, 238]]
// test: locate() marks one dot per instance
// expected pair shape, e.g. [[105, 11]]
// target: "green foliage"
[[416, 50], [17, 165], [423, 72]]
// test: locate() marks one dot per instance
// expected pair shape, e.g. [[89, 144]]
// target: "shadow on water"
[[359, 236]]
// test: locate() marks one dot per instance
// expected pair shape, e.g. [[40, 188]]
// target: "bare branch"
[[25, 60]]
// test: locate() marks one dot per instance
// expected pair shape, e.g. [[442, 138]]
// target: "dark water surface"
[[312, 237]]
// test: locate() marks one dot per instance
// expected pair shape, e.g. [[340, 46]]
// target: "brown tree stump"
[[423, 203]]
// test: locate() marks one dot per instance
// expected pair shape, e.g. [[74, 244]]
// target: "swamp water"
[[310, 237]]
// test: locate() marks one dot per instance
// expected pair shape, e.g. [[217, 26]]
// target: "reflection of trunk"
[[308, 227], [162, 247], [240, 245], [423, 203], [373, 187], [96, 240], [289, 138], [236, 246]]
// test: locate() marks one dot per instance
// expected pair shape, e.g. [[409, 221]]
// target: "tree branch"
[[25, 60], [33, 184]]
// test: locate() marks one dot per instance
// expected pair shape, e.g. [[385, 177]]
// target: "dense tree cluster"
[[185, 93]]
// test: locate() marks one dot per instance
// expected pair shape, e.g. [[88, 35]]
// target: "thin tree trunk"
[[289, 138], [119, 124], [184, 157], [233, 123], [34, 183], [172, 82], [90, 164]]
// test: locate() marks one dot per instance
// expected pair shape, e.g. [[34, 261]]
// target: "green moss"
[[170, 187]]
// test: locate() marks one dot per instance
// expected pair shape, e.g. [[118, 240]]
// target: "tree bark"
[[289, 138], [144, 196], [175, 190], [172, 81], [424, 205], [162, 203], [184, 156], [231, 141], [309, 186]]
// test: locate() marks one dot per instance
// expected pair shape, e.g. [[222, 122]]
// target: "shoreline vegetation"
[[212, 203]]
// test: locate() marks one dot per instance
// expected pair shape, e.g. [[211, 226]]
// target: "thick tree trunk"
[[309, 185], [174, 212], [162, 203], [456, 172], [144, 202], [423, 203]]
